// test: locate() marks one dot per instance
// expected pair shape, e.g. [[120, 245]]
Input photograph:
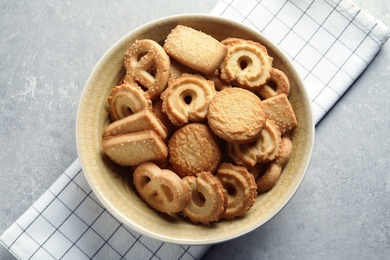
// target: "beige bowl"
[[113, 184]]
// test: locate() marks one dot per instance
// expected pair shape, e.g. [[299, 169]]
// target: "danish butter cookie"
[[127, 99], [162, 189], [277, 84], [208, 198], [147, 64], [134, 148], [195, 49], [241, 189], [194, 148], [264, 149], [246, 63], [177, 69], [279, 110], [157, 110], [236, 115], [187, 98], [143, 120], [219, 84], [266, 181]]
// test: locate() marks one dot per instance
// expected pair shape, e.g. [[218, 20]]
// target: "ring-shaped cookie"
[[127, 99], [208, 198], [247, 64], [162, 189], [277, 84], [241, 189], [147, 64], [264, 149], [187, 99], [268, 180]]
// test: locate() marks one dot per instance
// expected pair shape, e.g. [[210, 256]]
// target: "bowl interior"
[[113, 184]]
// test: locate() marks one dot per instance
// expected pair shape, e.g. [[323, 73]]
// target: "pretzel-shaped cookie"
[[162, 189], [187, 98], [280, 82], [208, 199], [266, 181], [241, 189], [128, 99], [147, 64], [264, 149]]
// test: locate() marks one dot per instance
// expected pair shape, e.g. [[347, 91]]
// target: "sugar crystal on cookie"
[[195, 49]]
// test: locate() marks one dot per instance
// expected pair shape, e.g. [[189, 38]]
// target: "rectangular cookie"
[[278, 109], [143, 120], [134, 148], [195, 49]]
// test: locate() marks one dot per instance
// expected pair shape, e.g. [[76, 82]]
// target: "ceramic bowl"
[[113, 184]]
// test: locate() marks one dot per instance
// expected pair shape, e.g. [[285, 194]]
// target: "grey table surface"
[[47, 50]]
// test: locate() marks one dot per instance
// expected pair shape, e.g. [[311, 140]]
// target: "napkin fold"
[[329, 42]]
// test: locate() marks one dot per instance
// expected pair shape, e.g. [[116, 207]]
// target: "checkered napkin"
[[330, 43]]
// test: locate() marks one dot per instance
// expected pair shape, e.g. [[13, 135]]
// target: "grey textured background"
[[47, 50]]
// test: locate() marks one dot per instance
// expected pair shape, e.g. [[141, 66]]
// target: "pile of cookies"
[[203, 124]]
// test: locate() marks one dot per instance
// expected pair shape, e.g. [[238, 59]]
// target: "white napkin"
[[330, 43]]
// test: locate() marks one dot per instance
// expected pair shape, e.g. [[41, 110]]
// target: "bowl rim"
[[145, 231]]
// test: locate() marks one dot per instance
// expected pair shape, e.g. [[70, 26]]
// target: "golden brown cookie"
[[266, 181], [208, 198], [135, 148], [161, 189], [264, 149], [157, 110], [194, 148], [279, 110], [233, 40], [195, 49], [277, 84], [219, 84], [187, 99], [236, 115], [147, 64], [246, 64], [177, 69], [241, 189], [143, 120], [127, 99]]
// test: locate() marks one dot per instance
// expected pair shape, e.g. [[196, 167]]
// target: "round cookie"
[[236, 115], [194, 148]]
